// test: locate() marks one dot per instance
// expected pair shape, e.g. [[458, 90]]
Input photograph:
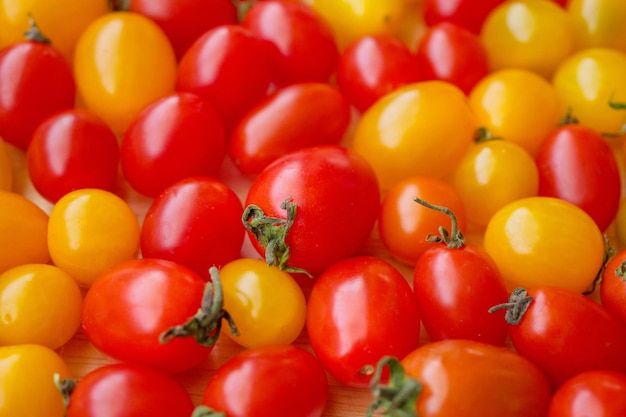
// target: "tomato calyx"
[[609, 252], [204, 411], [243, 7], [453, 239], [206, 324], [483, 134], [119, 5], [569, 118], [271, 233], [66, 387], [34, 33], [398, 397], [516, 307]]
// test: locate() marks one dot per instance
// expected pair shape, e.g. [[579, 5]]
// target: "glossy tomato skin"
[[294, 117], [303, 45], [596, 23], [454, 289], [229, 67], [558, 319], [465, 13], [361, 309], [185, 21], [174, 137], [151, 295], [613, 286], [460, 377], [452, 53], [72, 149], [37, 81], [128, 390], [593, 393], [337, 199], [374, 65], [279, 373], [577, 165], [195, 222]]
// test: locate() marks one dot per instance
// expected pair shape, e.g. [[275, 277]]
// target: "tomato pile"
[[422, 202]]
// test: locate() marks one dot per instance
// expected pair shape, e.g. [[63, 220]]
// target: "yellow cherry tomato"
[[517, 105], [421, 129], [27, 386], [539, 241], [39, 304], [23, 226], [530, 34], [587, 80], [491, 175], [6, 170], [598, 23], [90, 231], [267, 304], [123, 61], [62, 21]]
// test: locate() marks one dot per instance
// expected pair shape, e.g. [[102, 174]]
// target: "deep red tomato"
[[373, 66], [449, 52], [303, 44], [128, 390], [467, 13], [455, 284], [294, 117], [145, 298], [361, 309], [613, 286], [565, 333], [195, 222], [591, 393], [326, 196], [269, 381], [228, 66], [577, 165], [175, 137], [37, 81], [72, 149], [184, 21]]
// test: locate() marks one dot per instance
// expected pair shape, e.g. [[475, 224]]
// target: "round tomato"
[[361, 309], [613, 286], [466, 13], [287, 381], [596, 23]]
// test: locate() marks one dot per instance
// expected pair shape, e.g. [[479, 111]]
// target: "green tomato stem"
[[453, 239], [516, 307], [399, 397], [34, 33]]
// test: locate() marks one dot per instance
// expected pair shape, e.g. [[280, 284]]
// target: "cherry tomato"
[[466, 13], [229, 67], [361, 309], [185, 21], [128, 390], [174, 137], [596, 23], [195, 222], [538, 241], [505, 102], [287, 381], [90, 231], [70, 150], [24, 226], [36, 82], [547, 322], [403, 225], [492, 174], [420, 129], [123, 61], [449, 52], [613, 286], [326, 196], [303, 45], [6, 169], [577, 165], [39, 304], [591, 393], [27, 384], [372, 66], [294, 117]]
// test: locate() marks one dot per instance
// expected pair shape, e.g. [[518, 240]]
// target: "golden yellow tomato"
[[90, 231], [598, 23]]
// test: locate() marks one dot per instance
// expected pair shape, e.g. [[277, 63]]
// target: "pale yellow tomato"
[[90, 231], [6, 170], [598, 23]]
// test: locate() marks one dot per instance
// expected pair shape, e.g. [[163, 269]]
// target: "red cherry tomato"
[[373, 66], [269, 381], [469, 14], [175, 137], [229, 67], [195, 222], [70, 150], [361, 309], [303, 44], [613, 286], [294, 117], [128, 390]]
